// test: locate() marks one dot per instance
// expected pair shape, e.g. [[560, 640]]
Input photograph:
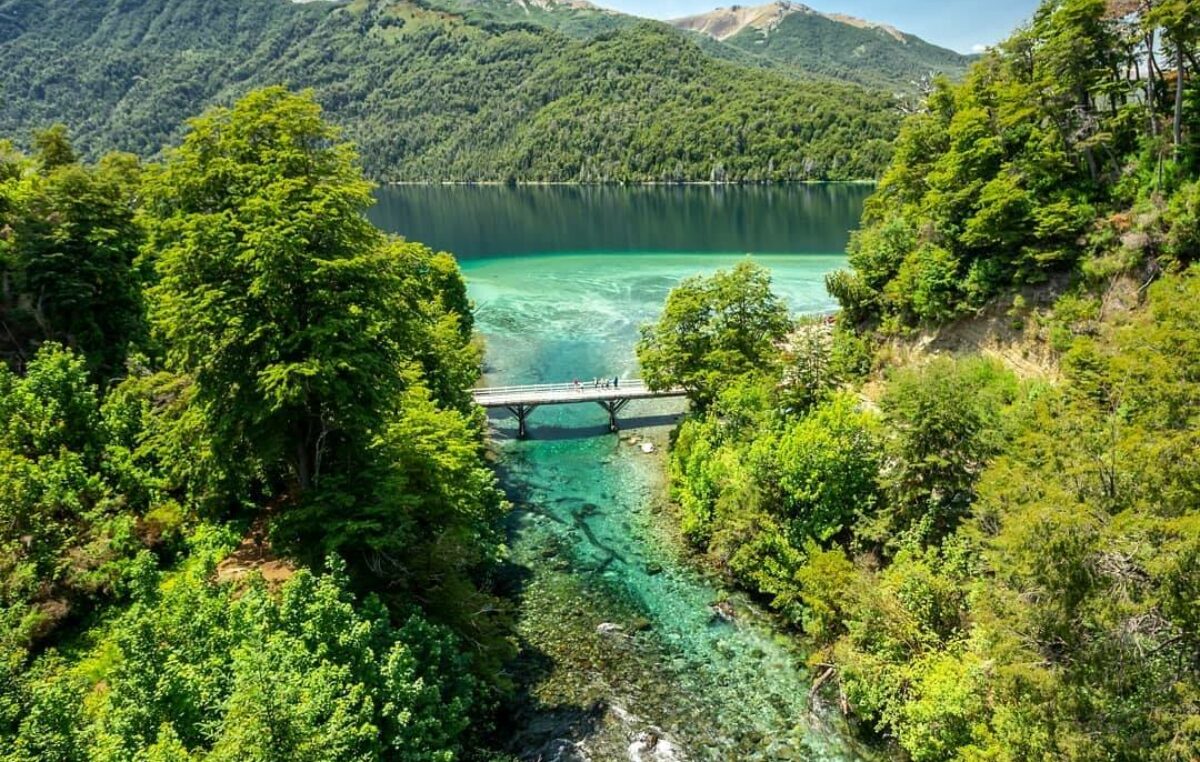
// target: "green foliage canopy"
[[712, 329]]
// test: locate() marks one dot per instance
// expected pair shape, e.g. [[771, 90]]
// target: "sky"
[[963, 25]]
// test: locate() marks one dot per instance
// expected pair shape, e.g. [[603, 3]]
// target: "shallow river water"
[[629, 649]]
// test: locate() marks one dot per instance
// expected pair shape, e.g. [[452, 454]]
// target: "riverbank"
[[628, 648]]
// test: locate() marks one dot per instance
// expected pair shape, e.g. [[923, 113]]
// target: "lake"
[[620, 645]]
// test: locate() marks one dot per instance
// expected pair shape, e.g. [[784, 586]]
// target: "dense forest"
[[429, 94], [992, 560], [244, 512]]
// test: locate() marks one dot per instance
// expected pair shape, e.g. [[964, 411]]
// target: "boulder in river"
[[653, 746], [723, 611], [609, 628], [647, 447]]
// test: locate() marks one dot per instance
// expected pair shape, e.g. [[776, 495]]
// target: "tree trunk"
[[303, 472], [1150, 104], [1178, 98]]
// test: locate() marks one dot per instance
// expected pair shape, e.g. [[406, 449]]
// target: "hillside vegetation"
[[1054, 157], [220, 351], [988, 567], [431, 94]]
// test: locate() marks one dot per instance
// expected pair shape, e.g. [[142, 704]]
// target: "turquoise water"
[[622, 648]]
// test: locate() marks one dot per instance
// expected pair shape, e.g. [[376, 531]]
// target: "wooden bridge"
[[523, 400]]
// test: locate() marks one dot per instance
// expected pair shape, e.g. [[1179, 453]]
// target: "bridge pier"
[[521, 412], [613, 407]]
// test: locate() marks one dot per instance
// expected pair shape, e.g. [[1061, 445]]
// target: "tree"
[[820, 474], [68, 254], [53, 147], [1180, 23], [292, 313], [76, 245], [944, 418], [712, 330], [199, 669]]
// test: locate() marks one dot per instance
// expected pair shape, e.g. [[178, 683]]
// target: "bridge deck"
[[566, 394], [523, 400]]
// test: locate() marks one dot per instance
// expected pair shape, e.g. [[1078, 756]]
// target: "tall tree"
[[276, 294], [1179, 21], [68, 253]]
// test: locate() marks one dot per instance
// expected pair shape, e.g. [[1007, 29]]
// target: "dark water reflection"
[[481, 221]]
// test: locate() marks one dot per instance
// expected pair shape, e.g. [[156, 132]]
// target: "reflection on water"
[[477, 221], [622, 641]]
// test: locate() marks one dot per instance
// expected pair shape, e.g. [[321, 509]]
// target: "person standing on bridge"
[[616, 381]]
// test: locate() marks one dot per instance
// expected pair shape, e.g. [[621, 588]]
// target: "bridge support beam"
[[613, 407], [521, 412]]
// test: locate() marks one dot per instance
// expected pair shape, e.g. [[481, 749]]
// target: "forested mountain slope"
[[430, 94], [575, 18], [797, 38]]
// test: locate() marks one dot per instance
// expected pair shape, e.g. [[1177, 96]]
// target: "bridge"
[[523, 400]]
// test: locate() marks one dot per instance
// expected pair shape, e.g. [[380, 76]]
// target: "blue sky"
[[958, 24]]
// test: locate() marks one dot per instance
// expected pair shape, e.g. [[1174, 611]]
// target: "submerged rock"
[[564, 750], [653, 746], [610, 628], [723, 611]]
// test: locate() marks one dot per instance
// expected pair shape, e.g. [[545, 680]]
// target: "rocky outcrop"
[[723, 23]]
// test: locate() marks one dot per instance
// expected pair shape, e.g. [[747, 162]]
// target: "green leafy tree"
[[999, 181], [198, 669], [53, 147], [712, 330], [820, 473], [945, 420], [68, 258], [292, 313]]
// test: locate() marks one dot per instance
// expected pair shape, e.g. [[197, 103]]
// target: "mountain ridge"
[[766, 18], [793, 36]]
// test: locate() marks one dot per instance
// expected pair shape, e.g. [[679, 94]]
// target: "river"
[[623, 653]]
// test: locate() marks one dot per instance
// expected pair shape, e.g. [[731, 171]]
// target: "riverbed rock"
[[723, 611], [610, 628], [652, 746], [564, 750]]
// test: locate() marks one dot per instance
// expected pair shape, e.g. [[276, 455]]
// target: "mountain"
[[435, 94], [837, 46]]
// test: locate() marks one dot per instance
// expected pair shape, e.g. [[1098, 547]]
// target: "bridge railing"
[[550, 388]]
